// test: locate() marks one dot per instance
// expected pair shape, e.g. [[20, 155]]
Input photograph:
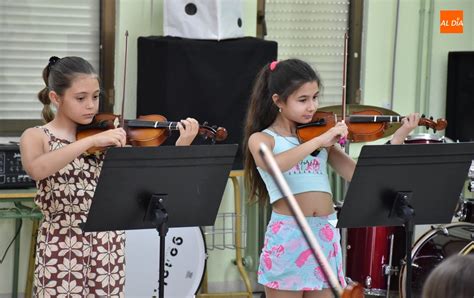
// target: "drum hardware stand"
[[368, 282], [444, 230], [389, 270], [157, 214], [402, 209]]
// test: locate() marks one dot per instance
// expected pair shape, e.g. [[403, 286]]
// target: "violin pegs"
[[431, 118], [423, 116]]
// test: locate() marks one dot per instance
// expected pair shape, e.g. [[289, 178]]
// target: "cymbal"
[[352, 108]]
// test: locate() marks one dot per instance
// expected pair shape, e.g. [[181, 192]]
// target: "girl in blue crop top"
[[286, 94]]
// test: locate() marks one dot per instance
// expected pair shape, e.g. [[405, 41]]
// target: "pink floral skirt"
[[287, 262]]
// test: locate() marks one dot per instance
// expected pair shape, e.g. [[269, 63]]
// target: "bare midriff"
[[313, 203]]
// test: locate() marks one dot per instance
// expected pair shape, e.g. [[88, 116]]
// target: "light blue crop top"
[[309, 174]]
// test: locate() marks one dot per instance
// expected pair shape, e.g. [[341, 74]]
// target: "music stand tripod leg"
[[157, 214]]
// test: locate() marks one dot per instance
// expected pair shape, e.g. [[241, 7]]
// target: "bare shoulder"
[[33, 132], [254, 146], [260, 137], [33, 137]]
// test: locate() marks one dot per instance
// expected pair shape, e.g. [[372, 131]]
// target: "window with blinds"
[[30, 33], [312, 31]]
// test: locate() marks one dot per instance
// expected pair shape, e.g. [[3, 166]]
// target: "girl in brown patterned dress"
[[70, 262]]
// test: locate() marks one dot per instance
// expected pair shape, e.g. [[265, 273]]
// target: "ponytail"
[[43, 94], [261, 114], [47, 112], [58, 76], [281, 78]]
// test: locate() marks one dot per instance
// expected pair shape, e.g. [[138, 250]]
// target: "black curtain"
[[460, 96], [204, 79]]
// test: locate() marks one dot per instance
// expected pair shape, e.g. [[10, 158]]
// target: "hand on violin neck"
[[409, 123], [188, 130]]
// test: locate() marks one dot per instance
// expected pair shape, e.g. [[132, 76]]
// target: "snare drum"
[[185, 262], [426, 138], [373, 256], [432, 248]]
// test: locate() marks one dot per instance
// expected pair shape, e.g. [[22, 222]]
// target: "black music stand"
[[159, 188], [395, 185]]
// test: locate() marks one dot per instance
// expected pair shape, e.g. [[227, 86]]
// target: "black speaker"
[[204, 79], [460, 96]]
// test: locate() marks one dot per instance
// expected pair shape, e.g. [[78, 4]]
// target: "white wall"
[[419, 77], [441, 46], [421, 53], [418, 63]]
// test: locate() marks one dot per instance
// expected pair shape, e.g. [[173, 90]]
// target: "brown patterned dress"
[[69, 262]]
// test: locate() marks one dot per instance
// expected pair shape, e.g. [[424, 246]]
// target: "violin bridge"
[[116, 122]]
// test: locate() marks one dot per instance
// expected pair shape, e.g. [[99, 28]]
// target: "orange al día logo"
[[451, 21]]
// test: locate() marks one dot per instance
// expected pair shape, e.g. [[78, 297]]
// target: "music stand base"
[[157, 214]]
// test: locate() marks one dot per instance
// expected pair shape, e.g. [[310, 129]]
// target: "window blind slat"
[[30, 33], [313, 31]]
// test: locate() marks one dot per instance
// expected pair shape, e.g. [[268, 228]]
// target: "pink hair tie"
[[273, 65]]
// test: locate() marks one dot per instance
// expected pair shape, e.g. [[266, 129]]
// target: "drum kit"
[[185, 262], [375, 255]]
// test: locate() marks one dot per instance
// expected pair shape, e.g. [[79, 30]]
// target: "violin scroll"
[[439, 124], [212, 132]]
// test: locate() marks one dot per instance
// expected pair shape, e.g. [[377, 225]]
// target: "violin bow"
[[122, 116], [275, 172], [343, 141]]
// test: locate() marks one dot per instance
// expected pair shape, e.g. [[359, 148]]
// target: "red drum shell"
[[368, 251]]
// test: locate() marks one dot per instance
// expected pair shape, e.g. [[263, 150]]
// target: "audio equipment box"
[[12, 174]]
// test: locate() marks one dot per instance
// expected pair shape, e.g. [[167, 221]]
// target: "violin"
[[146, 131], [363, 126]]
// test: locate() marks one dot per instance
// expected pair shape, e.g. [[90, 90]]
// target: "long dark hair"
[[58, 76], [282, 78]]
